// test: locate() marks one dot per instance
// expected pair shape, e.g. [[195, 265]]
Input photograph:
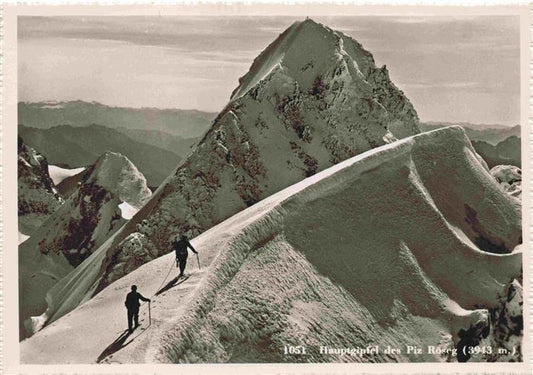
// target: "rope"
[[162, 283], [165, 279]]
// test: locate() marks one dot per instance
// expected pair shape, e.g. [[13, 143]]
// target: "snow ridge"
[[320, 242]]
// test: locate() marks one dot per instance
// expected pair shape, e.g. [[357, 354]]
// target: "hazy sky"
[[452, 69]]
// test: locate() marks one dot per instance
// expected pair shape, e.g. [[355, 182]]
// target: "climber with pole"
[[132, 305], [180, 247]]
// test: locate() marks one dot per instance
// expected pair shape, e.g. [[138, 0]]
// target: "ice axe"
[[149, 314]]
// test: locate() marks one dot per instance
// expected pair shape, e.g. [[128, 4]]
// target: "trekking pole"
[[198, 259]]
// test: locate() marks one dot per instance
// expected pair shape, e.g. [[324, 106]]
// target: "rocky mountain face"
[[38, 197], [70, 184], [313, 98], [82, 224]]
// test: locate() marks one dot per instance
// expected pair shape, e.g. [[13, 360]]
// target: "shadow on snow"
[[172, 283]]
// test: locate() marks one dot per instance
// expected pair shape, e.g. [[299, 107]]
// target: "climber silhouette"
[[180, 247], [132, 304]]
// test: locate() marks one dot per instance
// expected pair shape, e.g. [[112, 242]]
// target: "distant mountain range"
[[43, 115], [158, 138], [70, 146], [492, 133], [506, 152]]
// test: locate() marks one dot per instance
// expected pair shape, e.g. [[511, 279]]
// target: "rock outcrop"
[[510, 179], [38, 197]]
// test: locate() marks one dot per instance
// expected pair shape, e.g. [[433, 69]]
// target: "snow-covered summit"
[[115, 172], [306, 49], [313, 98], [319, 59]]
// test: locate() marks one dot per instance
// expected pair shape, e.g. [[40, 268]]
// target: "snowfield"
[[22, 237], [58, 174], [411, 242], [127, 211]]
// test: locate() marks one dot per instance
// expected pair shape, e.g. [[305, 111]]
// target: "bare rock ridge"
[[38, 197], [82, 224], [312, 99], [315, 259]]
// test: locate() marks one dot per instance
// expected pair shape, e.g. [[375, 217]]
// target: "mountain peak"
[[110, 160], [109, 191], [303, 38], [115, 172], [307, 50], [309, 25]]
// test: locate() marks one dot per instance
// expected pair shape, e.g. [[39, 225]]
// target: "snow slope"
[[78, 227], [313, 98], [22, 237], [410, 243], [38, 197], [58, 174]]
